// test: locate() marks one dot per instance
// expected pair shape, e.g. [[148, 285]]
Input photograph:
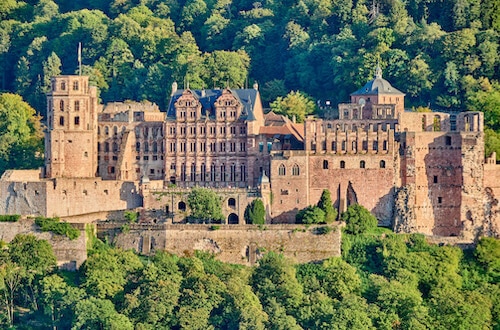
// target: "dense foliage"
[[394, 281], [21, 144], [255, 212], [9, 218], [57, 227], [205, 205], [358, 219], [442, 54]]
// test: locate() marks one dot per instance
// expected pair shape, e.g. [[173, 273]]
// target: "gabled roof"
[[377, 86], [207, 98], [276, 124]]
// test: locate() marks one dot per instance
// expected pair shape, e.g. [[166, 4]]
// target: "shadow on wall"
[[384, 209], [130, 194], [285, 217]]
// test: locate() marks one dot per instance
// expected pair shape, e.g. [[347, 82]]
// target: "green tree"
[[295, 105], [59, 299], [275, 278], [325, 203], [255, 213], [205, 205], [358, 220], [21, 144], [33, 254], [309, 215], [488, 254], [95, 313], [226, 69], [11, 276]]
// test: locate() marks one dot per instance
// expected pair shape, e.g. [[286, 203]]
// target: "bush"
[[60, 228], [131, 216], [323, 230], [310, 215], [255, 213], [358, 220], [10, 218]]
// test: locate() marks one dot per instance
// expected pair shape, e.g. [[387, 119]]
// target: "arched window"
[[231, 202], [106, 130], [146, 147], [223, 172], [213, 172], [61, 105], [342, 164], [382, 164], [354, 145], [155, 147], [106, 147], [61, 121], [203, 169], [115, 147], [281, 170], [181, 206], [362, 164], [137, 146], [437, 124], [115, 130], [295, 169]]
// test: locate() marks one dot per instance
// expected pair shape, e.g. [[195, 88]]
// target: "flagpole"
[[79, 58]]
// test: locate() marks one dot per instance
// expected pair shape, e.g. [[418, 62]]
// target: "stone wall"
[[64, 197], [230, 243], [70, 254]]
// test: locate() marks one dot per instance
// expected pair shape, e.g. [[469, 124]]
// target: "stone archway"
[[233, 219]]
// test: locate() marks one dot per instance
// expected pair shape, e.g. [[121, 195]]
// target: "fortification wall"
[[23, 196], [70, 197], [70, 254], [231, 243]]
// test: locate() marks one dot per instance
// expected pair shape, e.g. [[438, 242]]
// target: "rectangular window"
[[77, 120]]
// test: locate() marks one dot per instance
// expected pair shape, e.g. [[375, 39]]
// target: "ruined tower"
[[71, 135]]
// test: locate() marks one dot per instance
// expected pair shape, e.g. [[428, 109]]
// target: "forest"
[[442, 54], [381, 281]]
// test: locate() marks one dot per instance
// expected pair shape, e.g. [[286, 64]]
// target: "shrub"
[[325, 203], [358, 220], [10, 218], [255, 213], [323, 230], [310, 215], [131, 216], [60, 228]]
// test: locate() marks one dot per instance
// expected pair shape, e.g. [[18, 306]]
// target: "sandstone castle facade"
[[417, 172]]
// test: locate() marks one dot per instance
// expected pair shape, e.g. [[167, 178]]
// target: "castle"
[[419, 172]]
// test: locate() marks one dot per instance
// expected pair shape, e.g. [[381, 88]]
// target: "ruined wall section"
[[23, 197], [68, 197], [70, 254], [233, 244], [474, 222], [491, 180]]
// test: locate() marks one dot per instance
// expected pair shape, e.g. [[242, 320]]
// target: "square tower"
[[71, 134]]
